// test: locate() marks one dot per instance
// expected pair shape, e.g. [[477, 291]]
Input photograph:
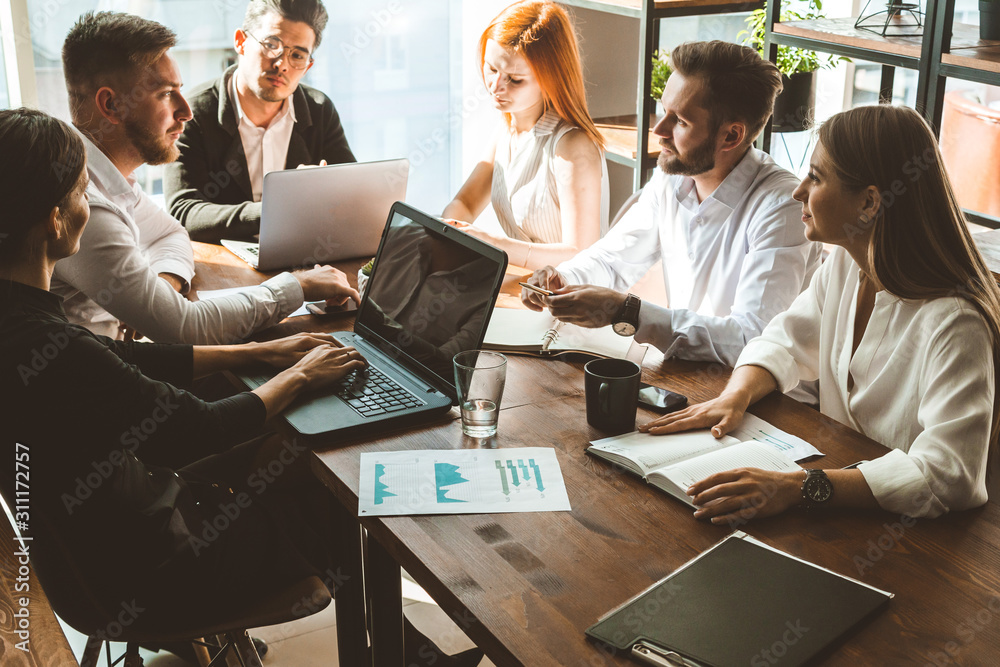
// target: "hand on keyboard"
[[284, 352], [325, 364]]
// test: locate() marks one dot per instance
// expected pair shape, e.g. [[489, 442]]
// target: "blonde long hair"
[[542, 34], [919, 243]]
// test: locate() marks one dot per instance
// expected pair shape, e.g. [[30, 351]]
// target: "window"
[[390, 81], [4, 95]]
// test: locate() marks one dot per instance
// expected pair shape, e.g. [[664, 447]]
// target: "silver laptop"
[[323, 214], [430, 295]]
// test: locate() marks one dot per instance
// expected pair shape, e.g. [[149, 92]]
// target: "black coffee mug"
[[612, 388]]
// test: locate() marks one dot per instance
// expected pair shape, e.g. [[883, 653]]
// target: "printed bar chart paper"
[[461, 481]]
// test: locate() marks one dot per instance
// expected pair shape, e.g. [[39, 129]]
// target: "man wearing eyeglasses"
[[256, 118]]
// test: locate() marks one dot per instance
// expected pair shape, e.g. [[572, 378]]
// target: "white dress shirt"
[[730, 263], [923, 384], [128, 241], [266, 148]]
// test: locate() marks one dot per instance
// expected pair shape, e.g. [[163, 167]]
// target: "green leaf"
[[791, 60]]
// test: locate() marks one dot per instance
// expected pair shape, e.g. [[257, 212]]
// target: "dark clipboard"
[[734, 602]]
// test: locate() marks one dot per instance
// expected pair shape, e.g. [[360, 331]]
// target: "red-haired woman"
[[544, 172]]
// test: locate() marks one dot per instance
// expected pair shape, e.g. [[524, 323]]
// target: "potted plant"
[[793, 110], [661, 72], [989, 19]]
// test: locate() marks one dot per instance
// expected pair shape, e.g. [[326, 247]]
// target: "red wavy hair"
[[542, 34]]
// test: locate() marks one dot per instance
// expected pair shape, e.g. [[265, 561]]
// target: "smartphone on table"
[[659, 399]]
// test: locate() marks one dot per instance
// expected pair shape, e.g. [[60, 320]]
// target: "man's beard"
[[152, 149], [267, 94], [698, 161]]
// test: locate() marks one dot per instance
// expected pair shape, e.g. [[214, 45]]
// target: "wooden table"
[[525, 586]]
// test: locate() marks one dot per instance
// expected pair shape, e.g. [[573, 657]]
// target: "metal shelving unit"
[[945, 50], [629, 141]]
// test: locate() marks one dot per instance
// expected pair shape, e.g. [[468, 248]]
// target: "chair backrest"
[[970, 146], [633, 198], [45, 642]]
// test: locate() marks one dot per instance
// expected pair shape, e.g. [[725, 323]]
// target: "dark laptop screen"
[[430, 292]]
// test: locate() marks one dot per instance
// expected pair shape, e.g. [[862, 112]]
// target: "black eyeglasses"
[[272, 47]]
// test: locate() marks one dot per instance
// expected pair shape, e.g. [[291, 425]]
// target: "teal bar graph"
[[503, 478], [446, 475], [381, 489], [538, 475]]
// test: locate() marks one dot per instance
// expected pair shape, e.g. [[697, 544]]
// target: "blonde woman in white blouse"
[[545, 172], [900, 326]]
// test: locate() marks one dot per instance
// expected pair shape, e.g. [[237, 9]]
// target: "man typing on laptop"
[[124, 91], [256, 118]]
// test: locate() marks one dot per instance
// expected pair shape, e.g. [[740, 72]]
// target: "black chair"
[[74, 599]]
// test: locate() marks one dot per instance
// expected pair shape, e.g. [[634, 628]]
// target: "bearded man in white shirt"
[[135, 260], [718, 212]]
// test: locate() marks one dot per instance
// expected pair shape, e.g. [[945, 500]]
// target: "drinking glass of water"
[[479, 378]]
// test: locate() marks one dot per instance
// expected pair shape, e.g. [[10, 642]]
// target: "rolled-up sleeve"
[[113, 272], [944, 468]]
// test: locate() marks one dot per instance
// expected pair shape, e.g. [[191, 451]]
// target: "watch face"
[[624, 328], [818, 488]]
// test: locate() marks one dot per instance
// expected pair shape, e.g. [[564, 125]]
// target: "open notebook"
[[531, 332], [676, 461]]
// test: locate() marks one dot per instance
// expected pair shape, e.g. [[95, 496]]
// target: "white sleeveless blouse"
[[524, 194]]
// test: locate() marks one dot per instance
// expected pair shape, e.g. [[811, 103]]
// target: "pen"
[[654, 655], [853, 465], [537, 289]]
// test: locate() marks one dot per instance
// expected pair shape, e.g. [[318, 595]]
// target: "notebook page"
[[603, 341], [655, 451], [744, 455], [515, 327]]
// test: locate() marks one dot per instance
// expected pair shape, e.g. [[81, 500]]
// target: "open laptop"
[[430, 295], [323, 214]]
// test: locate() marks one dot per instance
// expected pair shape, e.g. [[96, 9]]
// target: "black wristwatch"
[[627, 319], [816, 489]]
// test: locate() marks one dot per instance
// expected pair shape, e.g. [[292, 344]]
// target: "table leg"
[[349, 596], [385, 595]]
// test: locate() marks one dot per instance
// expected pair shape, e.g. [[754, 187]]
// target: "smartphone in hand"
[[537, 289], [320, 308]]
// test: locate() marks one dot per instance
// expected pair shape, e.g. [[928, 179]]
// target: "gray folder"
[[739, 603]]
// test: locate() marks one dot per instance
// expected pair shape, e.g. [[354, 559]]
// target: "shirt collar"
[[546, 124], [732, 190], [104, 175], [287, 108], [31, 298]]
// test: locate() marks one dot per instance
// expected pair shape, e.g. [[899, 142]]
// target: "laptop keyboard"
[[370, 392], [253, 250]]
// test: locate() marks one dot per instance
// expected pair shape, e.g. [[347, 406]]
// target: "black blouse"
[[104, 425]]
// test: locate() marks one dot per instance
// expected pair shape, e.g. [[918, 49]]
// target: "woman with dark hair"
[[141, 486], [545, 172], [901, 326]]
